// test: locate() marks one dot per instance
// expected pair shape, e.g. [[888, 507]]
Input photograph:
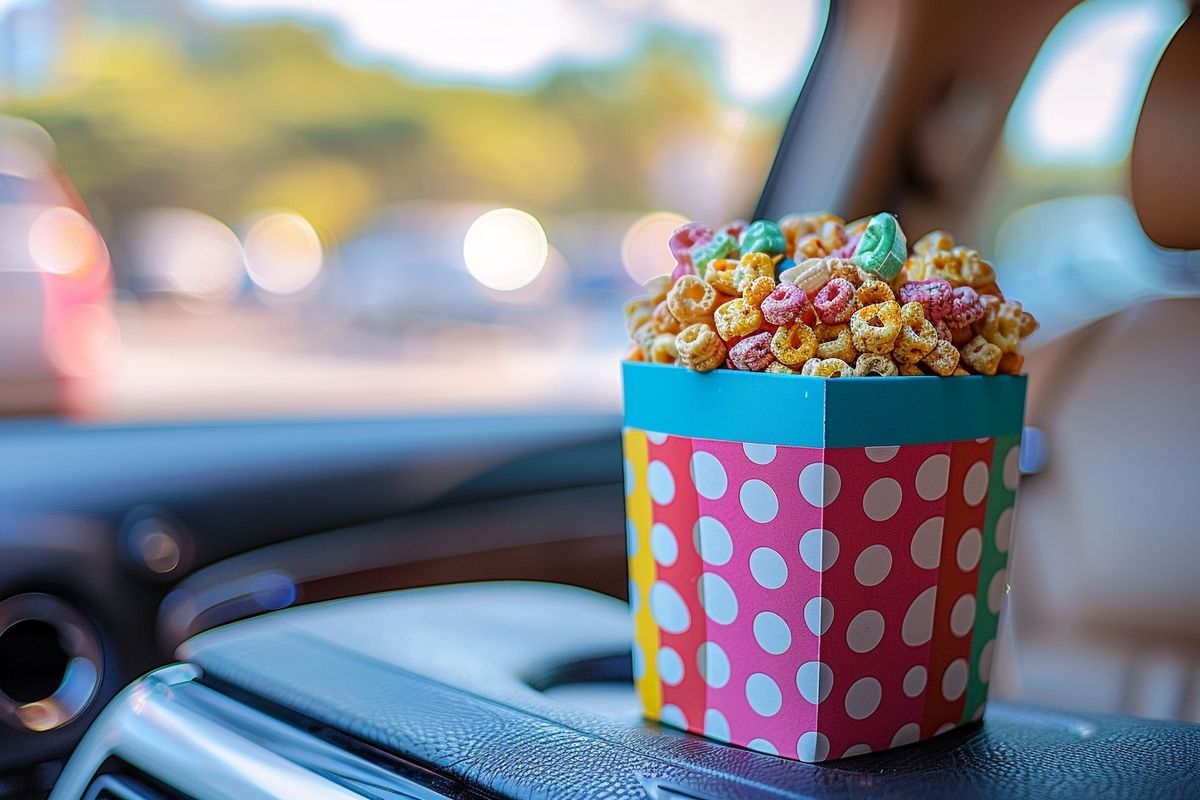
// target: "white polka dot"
[[661, 483], [630, 478], [1012, 469], [715, 725], [673, 715], [995, 593], [986, 654], [862, 698], [945, 727], [918, 620], [970, 547], [962, 616], [772, 633], [718, 599], [882, 454], [978, 715], [906, 735], [708, 475], [1004, 530], [819, 549], [713, 664], [758, 500], [975, 485], [864, 631], [814, 679], [763, 695], [882, 499], [670, 666], [663, 545], [631, 538], [820, 484], [983, 440], [768, 568], [762, 746], [759, 453], [856, 750], [933, 476], [954, 681], [668, 608], [915, 679], [712, 541], [656, 438], [818, 615], [812, 747], [639, 662], [926, 548], [873, 565]]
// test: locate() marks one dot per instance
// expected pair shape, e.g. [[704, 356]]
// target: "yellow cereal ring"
[[664, 321], [874, 364], [663, 349], [809, 275], [737, 318], [797, 226], [657, 288], [700, 348], [834, 341], [794, 344], [832, 368], [981, 356], [721, 275], [1010, 364], [633, 353], [942, 359], [643, 337], [917, 335], [752, 265], [758, 289], [845, 268], [875, 328], [775, 366], [909, 370], [1001, 325], [691, 299], [934, 240], [637, 313], [874, 291], [809, 366]]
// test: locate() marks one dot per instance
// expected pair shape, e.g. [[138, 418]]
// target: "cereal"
[[869, 364], [753, 353], [981, 356], [824, 242], [721, 246], [936, 295], [847, 270], [700, 348], [834, 341], [643, 337], [835, 302], [882, 248], [721, 274], [664, 321], [917, 335], [737, 318], [942, 359], [961, 266], [775, 366], [663, 349], [934, 240], [686, 238], [1028, 324], [875, 328], [809, 275], [909, 370], [831, 368], [657, 288], [691, 299], [758, 290], [752, 265], [763, 236], [1001, 325], [873, 291], [637, 313], [794, 344], [965, 307]]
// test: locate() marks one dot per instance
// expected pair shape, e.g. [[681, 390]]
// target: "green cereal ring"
[[882, 248], [722, 246], [763, 236]]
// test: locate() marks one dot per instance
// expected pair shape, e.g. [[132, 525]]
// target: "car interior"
[[251, 562]]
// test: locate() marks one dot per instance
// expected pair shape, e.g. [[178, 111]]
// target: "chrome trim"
[[210, 747]]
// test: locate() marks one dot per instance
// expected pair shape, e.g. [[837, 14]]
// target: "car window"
[[314, 207]]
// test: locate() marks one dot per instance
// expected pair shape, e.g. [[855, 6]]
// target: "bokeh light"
[[505, 249], [194, 255], [283, 253], [644, 252], [63, 242], [86, 343]]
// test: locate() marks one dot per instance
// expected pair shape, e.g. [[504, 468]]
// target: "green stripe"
[[991, 561], [802, 411]]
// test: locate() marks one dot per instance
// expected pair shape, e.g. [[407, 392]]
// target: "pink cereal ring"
[[785, 304], [735, 228], [847, 250], [835, 302], [935, 294], [683, 268], [752, 354], [965, 307], [685, 238]]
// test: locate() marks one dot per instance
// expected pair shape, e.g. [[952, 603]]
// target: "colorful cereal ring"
[[882, 248]]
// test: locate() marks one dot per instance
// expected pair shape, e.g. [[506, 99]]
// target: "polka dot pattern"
[[779, 581]]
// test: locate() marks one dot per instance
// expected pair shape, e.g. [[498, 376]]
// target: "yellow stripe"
[[642, 569]]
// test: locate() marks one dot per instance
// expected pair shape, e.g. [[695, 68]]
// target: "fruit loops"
[[815, 295]]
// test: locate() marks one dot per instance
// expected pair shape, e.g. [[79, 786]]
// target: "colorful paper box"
[[817, 566]]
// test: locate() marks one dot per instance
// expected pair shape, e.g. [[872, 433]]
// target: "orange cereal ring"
[[981, 356], [633, 353], [664, 321], [700, 348], [737, 318], [869, 364], [752, 265], [657, 288], [832, 368], [1010, 364], [942, 359], [663, 349], [721, 275], [874, 291], [1001, 325], [758, 289], [1029, 324], [794, 344], [691, 299], [875, 328], [834, 341]]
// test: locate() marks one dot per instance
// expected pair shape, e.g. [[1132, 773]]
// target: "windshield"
[[313, 207]]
